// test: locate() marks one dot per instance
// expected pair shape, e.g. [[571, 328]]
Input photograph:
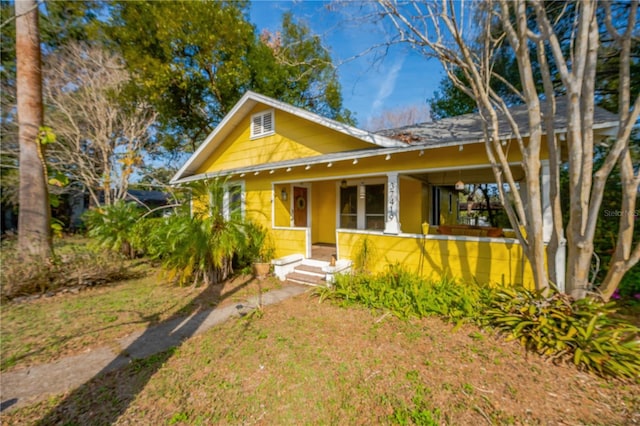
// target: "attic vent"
[[262, 124]]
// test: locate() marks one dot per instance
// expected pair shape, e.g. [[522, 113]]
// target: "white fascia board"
[[363, 135], [312, 161], [205, 145], [210, 142]]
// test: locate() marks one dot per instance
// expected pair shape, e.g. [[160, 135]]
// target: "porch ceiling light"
[[242, 174], [421, 153], [330, 165], [256, 173], [355, 161], [308, 167], [288, 169], [388, 157], [460, 148], [271, 171]]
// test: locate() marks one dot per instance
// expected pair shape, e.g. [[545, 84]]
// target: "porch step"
[[311, 269], [306, 279], [309, 272]]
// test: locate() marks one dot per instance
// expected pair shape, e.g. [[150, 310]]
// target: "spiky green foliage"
[[558, 327], [259, 245], [112, 226], [198, 247], [365, 252], [408, 295]]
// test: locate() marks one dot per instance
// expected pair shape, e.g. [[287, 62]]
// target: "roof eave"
[[209, 143]]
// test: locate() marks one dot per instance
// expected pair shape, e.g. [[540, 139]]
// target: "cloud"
[[388, 85]]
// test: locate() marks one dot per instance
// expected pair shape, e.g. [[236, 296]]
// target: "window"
[[262, 124], [374, 207], [435, 205], [232, 207], [349, 207], [363, 207], [228, 201]]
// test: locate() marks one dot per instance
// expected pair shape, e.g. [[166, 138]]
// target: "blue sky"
[[402, 78]]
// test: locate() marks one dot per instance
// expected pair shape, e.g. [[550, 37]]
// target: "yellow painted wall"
[[323, 212], [289, 241], [448, 206], [258, 201], [496, 262], [282, 208], [411, 205], [293, 138]]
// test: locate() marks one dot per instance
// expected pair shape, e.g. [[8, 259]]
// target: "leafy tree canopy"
[[194, 60], [449, 101]]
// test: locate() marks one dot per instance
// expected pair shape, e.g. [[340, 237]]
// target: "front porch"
[[421, 219]]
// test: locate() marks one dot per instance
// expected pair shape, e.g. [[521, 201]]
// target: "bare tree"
[[469, 43], [34, 217], [101, 140], [403, 116]]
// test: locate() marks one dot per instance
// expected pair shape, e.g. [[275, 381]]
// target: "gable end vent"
[[262, 124]]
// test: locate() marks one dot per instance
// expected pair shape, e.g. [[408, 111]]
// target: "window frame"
[[261, 116], [361, 214], [226, 199]]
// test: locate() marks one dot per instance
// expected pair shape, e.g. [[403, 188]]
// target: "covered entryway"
[[300, 207]]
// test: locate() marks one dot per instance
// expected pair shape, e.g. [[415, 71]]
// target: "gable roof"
[[244, 106], [460, 130], [468, 128]]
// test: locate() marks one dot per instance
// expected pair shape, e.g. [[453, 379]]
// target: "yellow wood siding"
[[323, 212], [282, 208], [289, 241], [491, 262], [411, 206], [293, 138], [448, 206], [258, 201]]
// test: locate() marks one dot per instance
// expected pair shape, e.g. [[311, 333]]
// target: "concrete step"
[[310, 269], [304, 278]]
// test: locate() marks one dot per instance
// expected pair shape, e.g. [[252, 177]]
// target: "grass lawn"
[[51, 327], [297, 362]]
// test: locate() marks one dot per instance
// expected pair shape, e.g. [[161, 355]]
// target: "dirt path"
[[26, 386]]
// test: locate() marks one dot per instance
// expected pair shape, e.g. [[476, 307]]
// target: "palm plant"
[[199, 247], [113, 226]]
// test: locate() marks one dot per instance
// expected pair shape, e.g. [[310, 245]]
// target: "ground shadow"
[[105, 397]]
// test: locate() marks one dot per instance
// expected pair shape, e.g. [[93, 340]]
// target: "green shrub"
[[406, 294], [195, 249], [145, 233], [197, 246], [558, 327], [113, 226], [259, 245]]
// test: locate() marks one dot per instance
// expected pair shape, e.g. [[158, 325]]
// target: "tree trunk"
[[34, 231]]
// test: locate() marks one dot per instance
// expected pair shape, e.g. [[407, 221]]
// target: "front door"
[[300, 206]]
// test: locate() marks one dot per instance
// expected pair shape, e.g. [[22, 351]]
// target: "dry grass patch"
[[301, 362], [42, 330]]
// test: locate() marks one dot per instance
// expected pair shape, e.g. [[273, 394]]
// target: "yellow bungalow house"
[[321, 187]]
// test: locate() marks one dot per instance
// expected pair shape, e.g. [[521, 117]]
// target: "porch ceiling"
[[477, 175]]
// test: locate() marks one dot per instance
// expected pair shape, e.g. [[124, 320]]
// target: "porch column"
[[547, 226], [547, 216], [392, 226]]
